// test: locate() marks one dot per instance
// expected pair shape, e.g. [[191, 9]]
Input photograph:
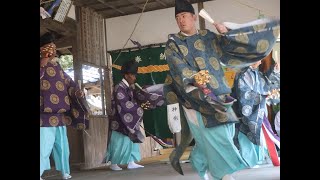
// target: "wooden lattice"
[[91, 34]]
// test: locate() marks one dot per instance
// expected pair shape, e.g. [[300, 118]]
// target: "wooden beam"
[[81, 3], [68, 28], [134, 4], [65, 42], [108, 13], [112, 7], [162, 3]]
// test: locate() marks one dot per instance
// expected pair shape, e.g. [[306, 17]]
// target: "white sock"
[[133, 165], [115, 167], [256, 166], [66, 176]]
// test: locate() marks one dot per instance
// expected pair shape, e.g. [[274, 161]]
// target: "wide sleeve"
[[243, 46], [151, 95], [130, 113]]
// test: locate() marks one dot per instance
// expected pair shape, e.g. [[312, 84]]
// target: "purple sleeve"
[[71, 85]]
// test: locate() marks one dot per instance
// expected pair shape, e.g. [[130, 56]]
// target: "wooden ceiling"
[[66, 32], [115, 8]]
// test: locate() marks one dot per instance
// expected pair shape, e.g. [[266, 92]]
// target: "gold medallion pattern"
[[75, 112], [67, 100], [45, 85], [203, 32], [47, 109], [187, 72], [176, 60], [62, 110], [171, 97], [41, 122], [259, 27], [168, 79], [168, 52], [262, 46], [276, 31], [54, 99], [200, 62], [242, 38], [241, 50], [221, 117], [51, 72], [67, 120], [54, 120], [173, 46], [213, 82], [59, 85], [199, 45], [184, 50], [214, 63], [234, 62], [180, 36], [252, 56], [204, 110]]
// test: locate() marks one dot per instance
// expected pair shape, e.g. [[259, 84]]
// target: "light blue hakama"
[[216, 146], [251, 153], [122, 150], [55, 140]]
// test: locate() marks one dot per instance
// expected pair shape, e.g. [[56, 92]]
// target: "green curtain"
[[155, 121]]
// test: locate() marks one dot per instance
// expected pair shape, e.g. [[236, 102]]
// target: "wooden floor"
[[164, 156], [158, 168]]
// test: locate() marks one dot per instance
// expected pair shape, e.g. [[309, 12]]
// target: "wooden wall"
[[96, 142], [75, 146]]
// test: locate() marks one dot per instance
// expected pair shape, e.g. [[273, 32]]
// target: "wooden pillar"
[[75, 136], [108, 82], [202, 23]]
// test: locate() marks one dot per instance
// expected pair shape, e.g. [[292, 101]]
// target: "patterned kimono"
[[58, 108], [251, 89], [186, 56], [125, 125]]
